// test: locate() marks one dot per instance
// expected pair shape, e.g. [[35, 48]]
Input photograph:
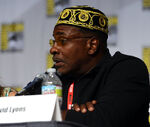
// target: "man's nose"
[[54, 50]]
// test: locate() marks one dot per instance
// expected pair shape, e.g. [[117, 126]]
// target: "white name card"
[[32, 108]]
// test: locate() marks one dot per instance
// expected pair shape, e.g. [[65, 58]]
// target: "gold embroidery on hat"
[[65, 14], [83, 16], [102, 22], [85, 19], [73, 17]]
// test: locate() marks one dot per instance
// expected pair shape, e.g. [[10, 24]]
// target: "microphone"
[[31, 87]]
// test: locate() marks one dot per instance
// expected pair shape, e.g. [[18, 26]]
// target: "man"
[[98, 89]]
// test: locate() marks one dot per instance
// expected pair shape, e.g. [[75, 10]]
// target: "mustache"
[[55, 59]]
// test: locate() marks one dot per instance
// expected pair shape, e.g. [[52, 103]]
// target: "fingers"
[[76, 107], [89, 106], [94, 102], [83, 108]]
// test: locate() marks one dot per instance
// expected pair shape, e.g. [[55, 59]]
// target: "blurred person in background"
[[7, 91]]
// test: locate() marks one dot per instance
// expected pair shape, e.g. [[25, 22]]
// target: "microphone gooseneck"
[[32, 86]]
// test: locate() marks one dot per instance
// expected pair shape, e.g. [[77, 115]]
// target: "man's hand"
[[84, 107]]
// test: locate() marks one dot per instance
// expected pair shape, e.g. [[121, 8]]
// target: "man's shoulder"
[[128, 61], [122, 60], [118, 56]]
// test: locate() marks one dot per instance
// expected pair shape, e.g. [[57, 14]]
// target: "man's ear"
[[93, 46]]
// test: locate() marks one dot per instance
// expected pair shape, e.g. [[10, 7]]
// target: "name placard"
[[32, 108]]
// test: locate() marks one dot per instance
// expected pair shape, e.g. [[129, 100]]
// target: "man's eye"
[[63, 41]]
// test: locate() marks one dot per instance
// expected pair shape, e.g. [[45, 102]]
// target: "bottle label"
[[52, 89]]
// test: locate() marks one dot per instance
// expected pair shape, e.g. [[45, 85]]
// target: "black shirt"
[[120, 84]]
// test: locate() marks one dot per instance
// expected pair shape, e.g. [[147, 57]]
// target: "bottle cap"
[[51, 70]]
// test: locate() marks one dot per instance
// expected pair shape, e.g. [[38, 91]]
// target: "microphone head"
[[41, 76], [33, 87]]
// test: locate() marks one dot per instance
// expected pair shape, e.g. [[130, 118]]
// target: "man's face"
[[70, 52]]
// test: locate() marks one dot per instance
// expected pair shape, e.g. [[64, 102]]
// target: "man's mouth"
[[58, 62]]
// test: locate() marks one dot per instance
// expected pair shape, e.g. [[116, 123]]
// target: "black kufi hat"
[[85, 17]]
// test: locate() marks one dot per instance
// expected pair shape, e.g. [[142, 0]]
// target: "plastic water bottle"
[[52, 84]]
